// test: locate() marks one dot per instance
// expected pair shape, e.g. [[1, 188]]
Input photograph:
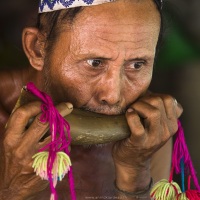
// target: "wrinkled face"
[[105, 61]]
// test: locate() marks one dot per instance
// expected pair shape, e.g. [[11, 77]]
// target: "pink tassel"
[[181, 151], [181, 164], [58, 126], [192, 194]]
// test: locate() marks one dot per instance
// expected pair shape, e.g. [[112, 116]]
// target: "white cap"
[[52, 5]]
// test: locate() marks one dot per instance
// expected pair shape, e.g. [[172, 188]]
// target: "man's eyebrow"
[[94, 56], [102, 56], [142, 57]]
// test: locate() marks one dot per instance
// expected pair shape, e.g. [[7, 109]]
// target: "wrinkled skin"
[[104, 63]]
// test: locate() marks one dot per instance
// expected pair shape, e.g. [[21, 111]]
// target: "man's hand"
[[18, 180], [152, 121]]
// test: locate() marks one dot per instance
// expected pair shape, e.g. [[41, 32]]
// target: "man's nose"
[[109, 91]]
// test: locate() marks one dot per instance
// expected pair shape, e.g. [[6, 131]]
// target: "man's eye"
[[94, 62], [137, 65]]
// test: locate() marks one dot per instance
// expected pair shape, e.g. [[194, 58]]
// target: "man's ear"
[[33, 45]]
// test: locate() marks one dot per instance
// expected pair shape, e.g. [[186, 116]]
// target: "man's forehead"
[[94, 30], [122, 21], [125, 28], [107, 41], [130, 33], [117, 13]]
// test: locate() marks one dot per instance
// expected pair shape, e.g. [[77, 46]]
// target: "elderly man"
[[99, 58]]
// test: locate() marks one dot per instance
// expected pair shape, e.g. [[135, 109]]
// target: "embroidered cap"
[[52, 5]]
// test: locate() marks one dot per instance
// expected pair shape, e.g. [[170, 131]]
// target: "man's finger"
[[172, 107], [19, 119], [135, 125], [38, 129], [43, 143], [65, 108], [179, 109]]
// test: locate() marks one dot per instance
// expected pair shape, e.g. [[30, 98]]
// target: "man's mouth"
[[106, 110]]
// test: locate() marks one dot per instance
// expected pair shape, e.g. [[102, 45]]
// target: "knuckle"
[[38, 125], [18, 154], [174, 128], [20, 113], [156, 101], [138, 133], [8, 142], [21, 158], [166, 136], [168, 99], [39, 122], [156, 114], [131, 116], [21, 154], [129, 143]]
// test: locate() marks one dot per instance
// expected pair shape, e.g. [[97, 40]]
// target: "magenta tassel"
[[58, 125], [181, 164], [192, 194], [71, 184], [181, 151]]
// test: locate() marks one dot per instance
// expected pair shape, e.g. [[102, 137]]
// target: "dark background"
[[177, 70]]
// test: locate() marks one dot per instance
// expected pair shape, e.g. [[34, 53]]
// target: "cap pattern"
[[52, 5]]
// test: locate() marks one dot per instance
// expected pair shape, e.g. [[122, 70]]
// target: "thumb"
[[64, 108]]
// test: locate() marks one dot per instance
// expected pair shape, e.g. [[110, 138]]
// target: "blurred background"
[[177, 69]]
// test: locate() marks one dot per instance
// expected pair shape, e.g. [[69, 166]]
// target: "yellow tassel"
[[61, 165], [165, 190], [182, 196]]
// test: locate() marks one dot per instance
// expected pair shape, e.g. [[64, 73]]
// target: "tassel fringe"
[[181, 164], [193, 194], [182, 196], [165, 190], [61, 165], [52, 162]]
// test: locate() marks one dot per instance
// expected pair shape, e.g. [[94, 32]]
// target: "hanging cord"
[[57, 161], [181, 151]]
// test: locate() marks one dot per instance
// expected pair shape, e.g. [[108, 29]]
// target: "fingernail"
[[69, 105], [175, 102], [6, 125], [130, 110], [180, 107]]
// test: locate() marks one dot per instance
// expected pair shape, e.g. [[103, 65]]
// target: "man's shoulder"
[[10, 86], [9, 91]]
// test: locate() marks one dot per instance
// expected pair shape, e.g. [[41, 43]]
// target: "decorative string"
[[58, 164], [181, 160], [181, 164], [181, 151], [182, 175]]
